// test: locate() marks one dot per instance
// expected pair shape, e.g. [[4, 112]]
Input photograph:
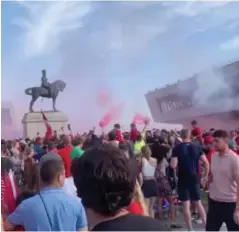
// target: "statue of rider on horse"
[[46, 90], [44, 82]]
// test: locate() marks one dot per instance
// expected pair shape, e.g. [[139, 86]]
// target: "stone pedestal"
[[33, 123]]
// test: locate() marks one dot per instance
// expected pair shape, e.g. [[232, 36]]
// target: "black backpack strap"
[[47, 214]]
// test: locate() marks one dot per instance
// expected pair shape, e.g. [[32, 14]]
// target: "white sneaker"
[[197, 221]]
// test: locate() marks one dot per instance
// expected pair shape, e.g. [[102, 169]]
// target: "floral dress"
[[163, 187]]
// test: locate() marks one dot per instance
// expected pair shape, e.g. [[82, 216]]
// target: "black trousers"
[[219, 212]]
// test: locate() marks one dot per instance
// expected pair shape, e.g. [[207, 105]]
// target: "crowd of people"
[[121, 181]]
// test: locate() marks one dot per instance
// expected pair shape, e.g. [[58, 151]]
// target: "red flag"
[[140, 119], [49, 132], [10, 192]]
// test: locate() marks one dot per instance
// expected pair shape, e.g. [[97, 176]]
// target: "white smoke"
[[213, 90]]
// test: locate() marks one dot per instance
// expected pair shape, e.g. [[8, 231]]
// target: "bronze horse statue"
[[37, 92]]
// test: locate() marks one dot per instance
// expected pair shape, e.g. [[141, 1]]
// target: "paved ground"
[[180, 219], [196, 227]]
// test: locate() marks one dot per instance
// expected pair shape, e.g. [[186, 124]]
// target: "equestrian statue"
[[47, 90]]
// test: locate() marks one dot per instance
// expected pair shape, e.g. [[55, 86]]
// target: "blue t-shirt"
[[188, 155], [66, 212], [39, 152]]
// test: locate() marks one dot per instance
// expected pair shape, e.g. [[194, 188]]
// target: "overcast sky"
[[123, 49]]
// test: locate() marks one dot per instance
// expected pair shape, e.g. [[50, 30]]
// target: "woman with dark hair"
[[30, 177]]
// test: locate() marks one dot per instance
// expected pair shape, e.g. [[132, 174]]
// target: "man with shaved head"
[[52, 209], [186, 156]]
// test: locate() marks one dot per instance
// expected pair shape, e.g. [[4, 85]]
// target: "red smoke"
[[112, 114], [103, 98]]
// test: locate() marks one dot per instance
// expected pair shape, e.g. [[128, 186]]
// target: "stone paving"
[[196, 226]]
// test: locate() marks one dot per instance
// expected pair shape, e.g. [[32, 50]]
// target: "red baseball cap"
[[208, 139]]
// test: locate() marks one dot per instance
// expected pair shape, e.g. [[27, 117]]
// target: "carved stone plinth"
[[33, 123]]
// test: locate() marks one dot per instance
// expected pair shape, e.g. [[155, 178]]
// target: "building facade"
[[182, 101]]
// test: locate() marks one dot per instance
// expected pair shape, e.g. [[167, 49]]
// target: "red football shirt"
[[133, 134], [65, 155], [135, 208], [237, 140], [119, 136], [197, 132]]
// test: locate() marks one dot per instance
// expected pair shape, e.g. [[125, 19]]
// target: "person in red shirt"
[[209, 151], [196, 131], [65, 155], [65, 152], [133, 132], [208, 143], [119, 135]]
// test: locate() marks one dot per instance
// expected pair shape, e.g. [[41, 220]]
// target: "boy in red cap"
[[208, 143], [196, 132]]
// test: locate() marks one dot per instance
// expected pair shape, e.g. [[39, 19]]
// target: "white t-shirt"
[[69, 186], [148, 169]]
